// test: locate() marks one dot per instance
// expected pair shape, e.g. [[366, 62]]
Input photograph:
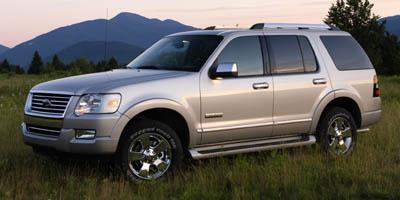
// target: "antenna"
[[106, 37]]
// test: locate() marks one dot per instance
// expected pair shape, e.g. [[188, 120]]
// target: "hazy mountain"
[[393, 24], [94, 51], [3, 49], [129, 28]]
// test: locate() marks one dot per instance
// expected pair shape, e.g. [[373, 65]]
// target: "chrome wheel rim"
[[340, 136], [149, 156]]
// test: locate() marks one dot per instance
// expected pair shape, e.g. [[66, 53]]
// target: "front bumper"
[[108, 130]]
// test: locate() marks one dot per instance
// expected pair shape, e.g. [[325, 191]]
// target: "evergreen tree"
[[356, 17], [5, 66], [49, 68], [36, 65], [17, 69], [57, 63], [82, 65], [112, 64], [101, 66], [390, 55]]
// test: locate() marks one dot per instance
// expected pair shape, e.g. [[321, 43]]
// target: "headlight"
[[98, 104], [28, 103]]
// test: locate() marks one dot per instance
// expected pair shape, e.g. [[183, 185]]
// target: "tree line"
[[353, 16], [79, 66]]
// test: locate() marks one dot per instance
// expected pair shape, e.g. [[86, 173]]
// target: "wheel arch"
[[169, 112], [346, 100]]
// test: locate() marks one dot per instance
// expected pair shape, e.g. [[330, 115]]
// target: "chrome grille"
[[43, 131], [49, 104]]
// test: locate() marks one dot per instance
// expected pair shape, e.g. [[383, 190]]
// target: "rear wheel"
[[149, 150], [338, 132]]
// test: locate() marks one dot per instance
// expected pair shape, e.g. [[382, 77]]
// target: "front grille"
[[50, 104], [43, 131]]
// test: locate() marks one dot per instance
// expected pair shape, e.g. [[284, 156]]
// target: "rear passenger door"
[[300, 82]]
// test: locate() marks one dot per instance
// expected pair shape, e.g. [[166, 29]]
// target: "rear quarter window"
[[346, 53]]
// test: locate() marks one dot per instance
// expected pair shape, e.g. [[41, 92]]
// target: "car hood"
[[99, 82]]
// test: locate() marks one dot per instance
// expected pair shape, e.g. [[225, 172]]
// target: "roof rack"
[[221, 28], [259, 26], [210, 28]]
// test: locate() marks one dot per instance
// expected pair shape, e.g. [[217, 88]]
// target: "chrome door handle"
[[319, 81], [258, 86]]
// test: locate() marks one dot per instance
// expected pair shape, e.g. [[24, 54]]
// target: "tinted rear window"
[[291, 54], [346, 53], [286, 54], [310, 62]]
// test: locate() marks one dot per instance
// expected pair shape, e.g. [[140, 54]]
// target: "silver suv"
[[209, 93]]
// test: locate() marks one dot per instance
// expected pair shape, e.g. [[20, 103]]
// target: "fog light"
[[85, 134]]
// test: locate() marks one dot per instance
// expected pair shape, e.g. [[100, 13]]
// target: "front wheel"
[[338, 132], [149, 150]]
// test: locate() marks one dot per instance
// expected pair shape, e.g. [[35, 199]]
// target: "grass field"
[[372, 172]]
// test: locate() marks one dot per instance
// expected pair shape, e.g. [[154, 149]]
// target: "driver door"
[[240, 107]]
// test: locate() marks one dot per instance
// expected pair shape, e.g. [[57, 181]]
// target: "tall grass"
[[372, 172]]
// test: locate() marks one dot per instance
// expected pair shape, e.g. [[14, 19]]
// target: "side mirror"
[[225, 70]]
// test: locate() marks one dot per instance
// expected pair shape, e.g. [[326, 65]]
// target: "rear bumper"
[[369, 118], [108, 129]]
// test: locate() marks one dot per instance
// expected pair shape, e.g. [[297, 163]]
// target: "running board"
[[252, 146], [363, 130]]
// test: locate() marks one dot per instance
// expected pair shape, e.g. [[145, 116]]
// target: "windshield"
[[180, 53]]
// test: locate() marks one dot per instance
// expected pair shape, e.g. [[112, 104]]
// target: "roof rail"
[[210, 28], [293, 26], [221, 28]]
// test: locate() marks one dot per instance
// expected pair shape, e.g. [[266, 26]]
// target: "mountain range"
[[127, 35], [129, 28], [95, 52], [3, 49], [393, 24]]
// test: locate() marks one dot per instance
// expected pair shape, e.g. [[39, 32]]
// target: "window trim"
[[315, 55], [266, 55], [272, 60], [263, 57]]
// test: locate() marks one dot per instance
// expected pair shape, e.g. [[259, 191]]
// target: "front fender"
[[172, 105]]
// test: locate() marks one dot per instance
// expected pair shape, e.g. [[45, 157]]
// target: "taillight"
[[377, 91]]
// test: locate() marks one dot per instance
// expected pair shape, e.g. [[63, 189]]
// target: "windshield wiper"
[[147, 67]]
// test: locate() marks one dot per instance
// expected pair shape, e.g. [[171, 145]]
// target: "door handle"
[[319, 81], [259, 86]]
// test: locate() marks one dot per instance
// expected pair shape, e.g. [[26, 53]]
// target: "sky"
[[21, 20]]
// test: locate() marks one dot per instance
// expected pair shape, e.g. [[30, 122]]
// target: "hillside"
[[3, 49], [94, 51], [129, 28], [393, 24]]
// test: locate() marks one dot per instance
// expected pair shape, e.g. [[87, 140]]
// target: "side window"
[[291, 54], [346, 53], [310, 61], [246, 53], [285, 54]]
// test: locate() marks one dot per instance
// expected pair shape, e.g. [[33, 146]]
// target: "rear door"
[[300, 82]]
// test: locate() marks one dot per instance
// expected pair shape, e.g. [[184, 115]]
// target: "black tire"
[[140, 128], [326, 137]]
